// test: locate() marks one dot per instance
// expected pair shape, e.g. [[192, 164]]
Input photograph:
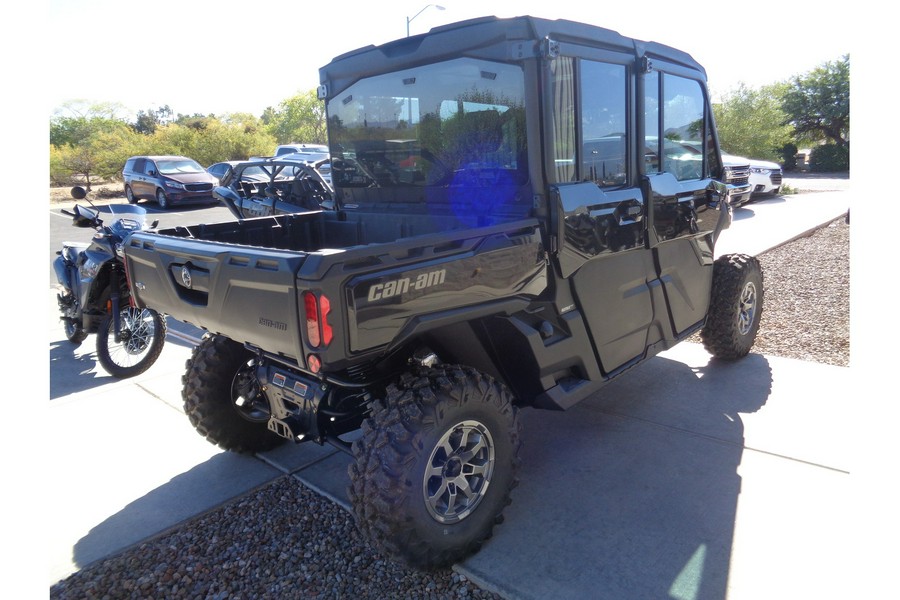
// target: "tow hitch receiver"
[[293, 401]]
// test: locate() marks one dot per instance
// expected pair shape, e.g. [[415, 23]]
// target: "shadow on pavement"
[[632, 493], [75, 369]]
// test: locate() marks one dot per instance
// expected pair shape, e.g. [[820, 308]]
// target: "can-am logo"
[[389, 289]]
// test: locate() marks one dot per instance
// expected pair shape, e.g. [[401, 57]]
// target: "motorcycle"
[[95, 296]]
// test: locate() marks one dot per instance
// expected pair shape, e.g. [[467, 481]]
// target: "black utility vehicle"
[[515, 222]]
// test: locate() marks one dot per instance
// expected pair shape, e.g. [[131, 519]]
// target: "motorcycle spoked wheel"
[[143, 333]]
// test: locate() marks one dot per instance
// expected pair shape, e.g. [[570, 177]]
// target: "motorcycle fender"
[[63, 273]]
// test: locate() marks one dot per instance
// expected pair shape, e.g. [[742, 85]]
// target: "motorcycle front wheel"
[[74, 333], [142, 333]]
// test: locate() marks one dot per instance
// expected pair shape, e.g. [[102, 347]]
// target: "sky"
[[212, 56]]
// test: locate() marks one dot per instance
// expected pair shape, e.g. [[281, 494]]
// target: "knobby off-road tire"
[[735, 308], [144, 334], [222, 398], [435, 465]]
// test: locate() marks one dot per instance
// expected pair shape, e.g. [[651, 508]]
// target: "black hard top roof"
[[456, 39]]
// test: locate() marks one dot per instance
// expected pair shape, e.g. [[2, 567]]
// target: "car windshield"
[[173, 167], [455, 123]]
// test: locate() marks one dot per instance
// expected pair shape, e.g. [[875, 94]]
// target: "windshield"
[[172, 167], [125, 218], [459, 123]]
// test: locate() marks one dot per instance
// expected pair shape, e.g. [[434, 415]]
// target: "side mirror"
[[78, 192], [85, 217]]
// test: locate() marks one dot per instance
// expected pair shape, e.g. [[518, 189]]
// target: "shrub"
[[829, 158], [788, 154]]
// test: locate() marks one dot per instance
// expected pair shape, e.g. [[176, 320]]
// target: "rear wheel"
[[735, 307], [435, 465], [162, 200], [129, 195], [142, 333], [222, 397]]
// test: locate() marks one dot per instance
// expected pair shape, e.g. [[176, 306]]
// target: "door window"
[[603, 123], [676, 133], [597, 151]]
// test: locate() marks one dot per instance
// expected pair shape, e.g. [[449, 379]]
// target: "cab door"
[[599, 206], [139, 184], [680, 154]]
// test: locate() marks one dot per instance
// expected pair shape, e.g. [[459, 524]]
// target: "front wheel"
[[735, 307], [162, 200], [223, 399], [142, 333], [74, 332], [435, 465]]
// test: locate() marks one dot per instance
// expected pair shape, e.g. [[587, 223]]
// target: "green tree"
[[76, 121], [88, 142], [147, 121], [300, 118], [209, 140], [99, 157], [817, 103], [750, 122]]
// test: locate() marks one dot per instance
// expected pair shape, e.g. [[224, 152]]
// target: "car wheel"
[[162, 199], [130, 195]]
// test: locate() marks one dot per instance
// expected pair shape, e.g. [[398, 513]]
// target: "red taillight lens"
[[312, 319], [317, 328], [327, 333]]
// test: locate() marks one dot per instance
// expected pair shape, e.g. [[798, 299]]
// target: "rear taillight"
[[318, 330], [325, 309]]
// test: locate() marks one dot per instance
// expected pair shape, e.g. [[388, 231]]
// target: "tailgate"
[[245, 293]]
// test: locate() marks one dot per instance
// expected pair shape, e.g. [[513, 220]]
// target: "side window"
[[139, 166], [562, 89], [683, 126], [603, 123], [651, 123], [676, 133]]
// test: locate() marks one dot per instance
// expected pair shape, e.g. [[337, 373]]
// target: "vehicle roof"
[[304, 145], [448, 41], [312, 156], [162, 157]]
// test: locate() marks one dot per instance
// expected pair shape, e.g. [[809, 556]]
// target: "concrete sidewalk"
[[685, 479]]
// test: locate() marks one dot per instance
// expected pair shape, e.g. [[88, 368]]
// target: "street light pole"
[[409, 19]]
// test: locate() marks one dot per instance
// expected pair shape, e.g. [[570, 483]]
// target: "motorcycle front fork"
[[116, 317]]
